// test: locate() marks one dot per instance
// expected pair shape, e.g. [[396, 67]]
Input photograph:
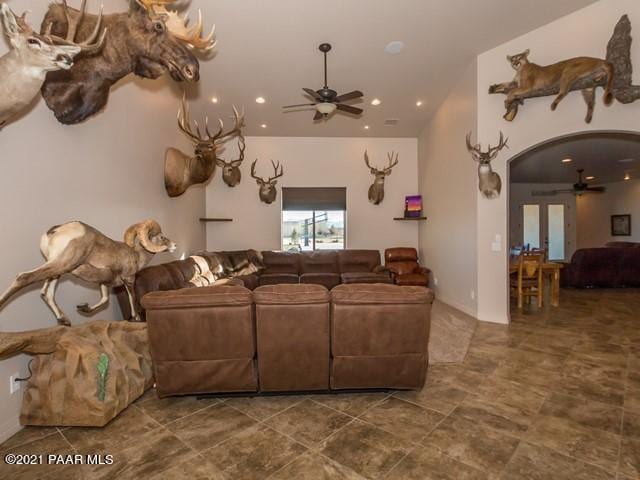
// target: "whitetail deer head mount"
[[490, 183], [23, 70], [267, 191], [376, 190], [181, 170], [231, 174]]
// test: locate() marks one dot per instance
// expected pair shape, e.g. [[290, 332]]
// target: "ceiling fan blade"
[[300, 105], [349, 96], [349, 109], [317, 116], [313, 93], [596, 189]]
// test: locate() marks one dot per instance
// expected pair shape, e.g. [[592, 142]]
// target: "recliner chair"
[[403, 264]]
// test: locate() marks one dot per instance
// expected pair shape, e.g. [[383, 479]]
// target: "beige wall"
[[448, 183], [106, 172], [585, 32], [594, 214], [316, 162]]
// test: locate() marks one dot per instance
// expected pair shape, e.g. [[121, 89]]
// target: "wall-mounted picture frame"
[[621, 225]]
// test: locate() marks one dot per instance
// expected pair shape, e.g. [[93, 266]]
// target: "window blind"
[[314, 198]]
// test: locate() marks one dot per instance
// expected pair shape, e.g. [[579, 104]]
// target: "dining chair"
[[527, 281]]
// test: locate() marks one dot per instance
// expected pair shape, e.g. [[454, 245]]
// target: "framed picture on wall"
[[620, 225]]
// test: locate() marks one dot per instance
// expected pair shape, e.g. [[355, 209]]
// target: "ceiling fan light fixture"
[[627, 176], [567, 160], [590, 177], [326, 108]]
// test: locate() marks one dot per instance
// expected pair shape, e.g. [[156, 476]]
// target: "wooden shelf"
[[216, 219], [415, 219]]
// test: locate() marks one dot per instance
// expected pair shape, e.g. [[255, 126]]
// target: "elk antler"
[[220, 136], [276, 166], [184, 122], [73, 22]]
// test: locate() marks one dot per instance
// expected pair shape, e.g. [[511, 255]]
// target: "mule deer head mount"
[[231, 174], [376, 190], [267, 191], [24, 69], [148, 40], [181, 170], [490, 184]]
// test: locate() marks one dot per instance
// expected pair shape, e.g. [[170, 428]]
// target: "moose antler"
[[178, 26], [73, 22]]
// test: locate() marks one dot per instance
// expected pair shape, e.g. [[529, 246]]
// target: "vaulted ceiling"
[[269, 49]]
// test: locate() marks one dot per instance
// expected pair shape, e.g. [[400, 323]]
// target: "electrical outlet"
[[14, 385], [435, 281], [473, 294]]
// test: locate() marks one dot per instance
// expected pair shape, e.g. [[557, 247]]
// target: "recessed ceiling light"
[[394, 47], [419, 103], [567, 160], [375, 102], [214, 99], [627, 176], [264, 125], [260, 100], [366, 127], [590, 177]]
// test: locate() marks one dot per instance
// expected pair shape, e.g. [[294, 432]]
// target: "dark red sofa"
[[615, 266]]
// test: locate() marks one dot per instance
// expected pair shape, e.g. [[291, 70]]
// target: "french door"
[[545, 225]]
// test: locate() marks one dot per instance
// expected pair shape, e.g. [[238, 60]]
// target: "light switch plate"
[[14, 386]]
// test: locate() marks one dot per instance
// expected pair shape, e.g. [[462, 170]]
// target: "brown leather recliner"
[[403, 264]]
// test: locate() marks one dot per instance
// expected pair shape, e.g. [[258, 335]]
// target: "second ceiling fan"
[[579, 188], [327, 100]]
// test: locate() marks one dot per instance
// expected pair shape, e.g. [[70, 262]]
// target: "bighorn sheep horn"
[[142, 231]]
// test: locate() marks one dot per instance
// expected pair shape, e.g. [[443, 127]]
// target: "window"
[[313, 219], [531, 224], [555, 233]]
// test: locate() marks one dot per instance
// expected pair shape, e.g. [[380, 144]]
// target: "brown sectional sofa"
[[288, 337], [326, 268]]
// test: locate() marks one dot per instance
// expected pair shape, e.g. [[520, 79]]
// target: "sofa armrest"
[[423, 271]]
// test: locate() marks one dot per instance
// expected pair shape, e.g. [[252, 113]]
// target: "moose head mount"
[[231, 174], [267, 191], [490, 184], [23, 70], [614, 74], [147, 40], [182, 171], [376, 190]]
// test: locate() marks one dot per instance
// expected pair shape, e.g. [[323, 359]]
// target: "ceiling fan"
[[327, 100], [579, 188]]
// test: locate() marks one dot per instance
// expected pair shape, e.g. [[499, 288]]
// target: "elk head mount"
[[181, 170], [231, 174], [376, 190], [147, 40], [490, 184], [267, 191], [23, 70], [614, 74]]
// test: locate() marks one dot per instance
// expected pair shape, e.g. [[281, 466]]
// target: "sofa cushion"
[[413, 279], [402, 268], [400, 254], [365, 277], [278, 278], [319, 262], [250, 281], [328, 280], [281, 262], [198, 297], [290, 294], [379, 294], [358, 260]]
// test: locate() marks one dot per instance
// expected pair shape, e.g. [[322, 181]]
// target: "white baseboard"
[[9, 428], [457, 306]]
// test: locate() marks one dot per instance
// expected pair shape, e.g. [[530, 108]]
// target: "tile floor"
[[555, 395]]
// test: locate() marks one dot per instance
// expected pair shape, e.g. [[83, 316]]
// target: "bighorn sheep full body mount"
[[376, 190], [23, 70], [490, 183], [267, 191], [84, 252]]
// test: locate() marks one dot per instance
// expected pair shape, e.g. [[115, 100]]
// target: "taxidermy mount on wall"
[[84, 252], [181, 170], [147, 41], [267, 191], [231, 174], [490, 184], [376, 190], [582, 73], [24, 68]]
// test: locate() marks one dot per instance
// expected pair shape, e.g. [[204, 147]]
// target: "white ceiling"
[[606, 156], [269, 49]]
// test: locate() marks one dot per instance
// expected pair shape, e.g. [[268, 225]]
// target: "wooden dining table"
[[550, 269]]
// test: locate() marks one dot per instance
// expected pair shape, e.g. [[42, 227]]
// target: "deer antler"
[[392, 162], [241, 147], [184, 122], [276, 166], [221, 136], [493, 151], [474, 150], [88, 45], [253, 172], [366, 160]]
